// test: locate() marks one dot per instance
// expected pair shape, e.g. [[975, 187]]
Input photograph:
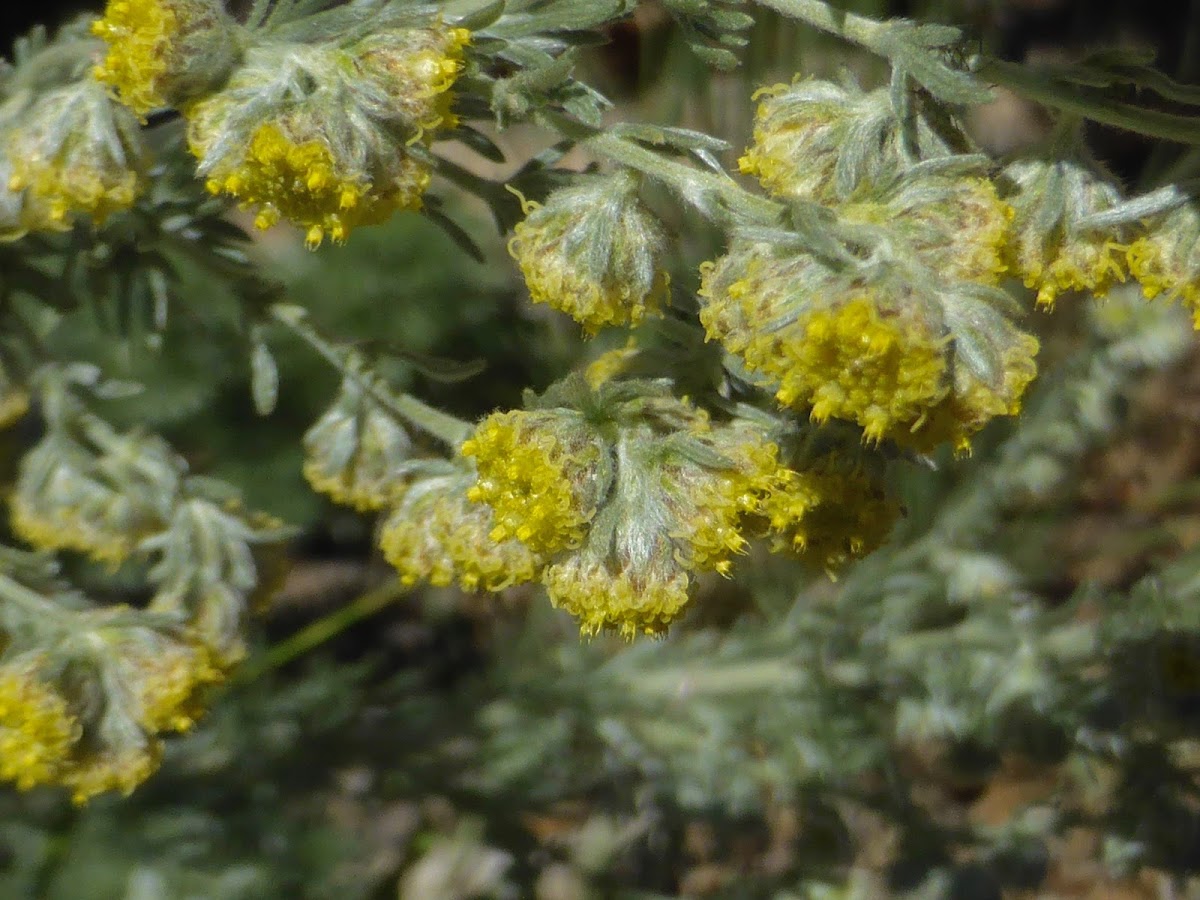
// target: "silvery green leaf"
[[264, 378]]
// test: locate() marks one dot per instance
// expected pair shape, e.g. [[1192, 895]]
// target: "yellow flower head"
[[167, 678], [629, 601], [680, 503], [74, 151], [829, 512], [164, 52], [317, 135], [67, 498], [595, 252], [824, 142], [436, 534], [353, 451], [878, 350], [1166, 261], [37, 730], [1054, 249], [543, 474], [414, 69]]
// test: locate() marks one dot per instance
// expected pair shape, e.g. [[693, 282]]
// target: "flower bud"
[[1167, 259], [956, 226], [595, 252], [830, 511], [918, 363], [322, 135], [543, 473], [99, 498], [1054, 250], [74, 150], [37, 729], [824, 142], [352, 453], [163, 53], [436, 534]]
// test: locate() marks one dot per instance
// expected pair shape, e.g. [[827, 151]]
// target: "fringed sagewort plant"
[[867, 306]]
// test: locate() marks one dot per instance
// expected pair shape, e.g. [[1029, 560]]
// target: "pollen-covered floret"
[[74, 151], [164, 52], [352, 453], [1166, 260], [313, 133], [37, 730], [830, 511], [542, 472], [595, 252], [1054, 249], [435, 533], [167, 676]]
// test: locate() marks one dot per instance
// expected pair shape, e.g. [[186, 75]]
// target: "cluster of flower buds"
[[67, 150], [328, 133], [624, 493], [87, 693], [879, 303], [594, 251]]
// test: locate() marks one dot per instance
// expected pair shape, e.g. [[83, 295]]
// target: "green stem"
[[689, 181], [446, 428], [1089, 102], [861, 30], [319, 632]]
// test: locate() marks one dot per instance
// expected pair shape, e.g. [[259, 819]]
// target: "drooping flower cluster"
[[894, 319], [917, 363], [1166, 261], [595, 252], [354, 452], [68, 151], [88, 712], [329, 137], [1062, 240]]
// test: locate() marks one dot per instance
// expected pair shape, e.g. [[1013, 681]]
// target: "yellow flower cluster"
[[52, 735], [435, 534], [826, 143], [161, 52], [1166, 261], [37, 730], [540, 477], [658, 494], [1052, 248], [324, 136], [73, 151], [898, 325], [594, 252], [69, 498], [832, 511]]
